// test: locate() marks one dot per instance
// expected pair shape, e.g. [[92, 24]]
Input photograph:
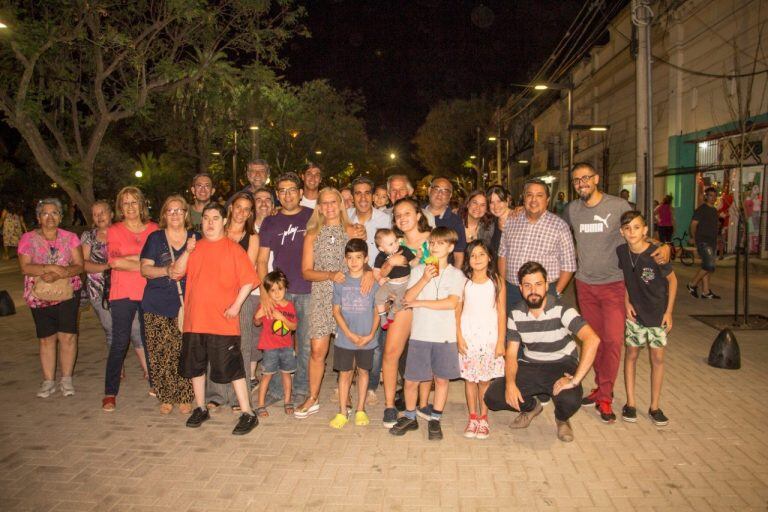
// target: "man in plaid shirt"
[[536, 235]]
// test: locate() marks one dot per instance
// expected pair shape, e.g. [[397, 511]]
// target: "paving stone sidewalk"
[[66, 454]]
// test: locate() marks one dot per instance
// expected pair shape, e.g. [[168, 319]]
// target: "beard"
[[585, 194], [534, 301]]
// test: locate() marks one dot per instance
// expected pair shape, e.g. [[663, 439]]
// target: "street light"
[[254, 141], [492, 139], [392, 156], [216, 153], [3, 25], [318, 152], [138, 174], [522, 162]]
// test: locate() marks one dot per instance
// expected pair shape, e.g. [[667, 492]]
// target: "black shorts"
[[61, 317], [345, 360], [222, 352]]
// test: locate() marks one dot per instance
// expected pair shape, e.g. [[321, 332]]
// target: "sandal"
[[338, 421], [289, 409], [262, 412], [236, 409], [166, 408], [304, 411]]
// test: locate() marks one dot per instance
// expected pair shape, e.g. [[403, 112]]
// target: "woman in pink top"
[[124, 242], [666, 219]]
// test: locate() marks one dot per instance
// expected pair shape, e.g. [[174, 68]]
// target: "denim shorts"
[[708, 256], [426, 360], [282, 359]]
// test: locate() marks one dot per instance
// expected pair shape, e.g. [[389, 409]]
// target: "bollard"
[[6, 304], [725, 352]]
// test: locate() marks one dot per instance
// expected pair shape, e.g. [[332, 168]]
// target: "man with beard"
[[595, 220], [550, 363], [312, 176]]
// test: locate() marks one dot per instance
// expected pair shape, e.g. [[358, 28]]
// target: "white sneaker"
[[47, 388], [67, 389]]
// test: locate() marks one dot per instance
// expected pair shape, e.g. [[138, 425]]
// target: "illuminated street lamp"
[[138, 174], [492, 139], [392, 156], [318, 152], [254, 141], [522, 162], [216, 153], [3, 25]]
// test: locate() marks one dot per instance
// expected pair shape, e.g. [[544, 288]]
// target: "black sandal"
[[262, 412]]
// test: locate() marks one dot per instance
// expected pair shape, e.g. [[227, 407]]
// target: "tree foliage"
[[71, 69], [449, 134]]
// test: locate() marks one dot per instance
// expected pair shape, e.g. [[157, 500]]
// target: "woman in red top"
[[124, 242]]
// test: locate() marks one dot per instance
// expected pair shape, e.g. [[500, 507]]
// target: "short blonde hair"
[[317, 220], [139, 195], [184, 205]]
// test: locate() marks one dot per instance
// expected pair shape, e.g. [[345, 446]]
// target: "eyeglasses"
[[284, 191], [204, 186], [176, 211], [583, 179], [50, 214], [440, 190]]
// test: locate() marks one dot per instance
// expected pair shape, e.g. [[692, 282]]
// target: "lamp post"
[[254, 141]]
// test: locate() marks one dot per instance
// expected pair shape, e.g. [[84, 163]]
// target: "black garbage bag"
[[725, 352], [7, 307]]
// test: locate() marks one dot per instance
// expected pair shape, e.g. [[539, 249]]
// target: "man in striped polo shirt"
[[550, 363]]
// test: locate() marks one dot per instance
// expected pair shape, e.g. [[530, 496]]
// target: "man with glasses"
[[312, 176], [282, 235], [595, 220], [440, 191], [202, 191]]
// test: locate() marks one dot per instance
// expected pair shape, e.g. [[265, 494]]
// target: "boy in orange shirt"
[[219, 279]]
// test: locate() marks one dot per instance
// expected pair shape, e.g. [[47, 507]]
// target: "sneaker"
[[305, 413], [470, 432], [693, 290], [338, 421], [524, 418], [371, 398], [403, 425], [245, 424], [629, 414], [47, 388], [658, 418], [361, 419], [564, 431], [67, 389], [483, 430], [710, 295], [589, 399], [425, 412], [434, 430], [199, 416], [108, 404], [390, 417], [543, 399], [605, 410]]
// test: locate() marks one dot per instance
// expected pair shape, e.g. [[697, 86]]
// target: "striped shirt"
[[548, 337]]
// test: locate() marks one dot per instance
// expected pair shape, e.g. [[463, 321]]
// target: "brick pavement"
[[66, 454]]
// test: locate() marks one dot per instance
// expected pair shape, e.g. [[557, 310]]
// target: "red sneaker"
[[605, 411]]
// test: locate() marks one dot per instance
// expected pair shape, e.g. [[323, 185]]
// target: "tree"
[[449, 134], [70, 69]]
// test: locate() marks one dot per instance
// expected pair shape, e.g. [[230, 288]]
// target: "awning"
[[676, 171]]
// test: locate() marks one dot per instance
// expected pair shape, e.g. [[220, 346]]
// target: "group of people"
[[404, 294]]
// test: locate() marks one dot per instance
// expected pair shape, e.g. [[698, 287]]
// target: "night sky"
[[405, 56]]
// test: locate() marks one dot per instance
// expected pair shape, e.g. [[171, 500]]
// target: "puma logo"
[[603, 220]]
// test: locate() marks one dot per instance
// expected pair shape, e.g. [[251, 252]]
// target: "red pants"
[[602, 306]]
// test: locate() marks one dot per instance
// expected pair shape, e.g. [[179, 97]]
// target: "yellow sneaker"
[[361, 419], [338, 421]]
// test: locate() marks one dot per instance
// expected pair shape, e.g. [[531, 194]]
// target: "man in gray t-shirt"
[[594, 218]]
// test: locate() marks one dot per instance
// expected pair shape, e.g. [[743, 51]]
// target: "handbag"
[[57, 291], [180, 314]]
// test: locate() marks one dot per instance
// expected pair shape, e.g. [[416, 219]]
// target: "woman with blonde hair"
[[322, 265], [163, 296], [125, 240]]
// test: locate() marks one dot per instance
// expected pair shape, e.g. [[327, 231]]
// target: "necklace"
[[634, 261], [437, 284]]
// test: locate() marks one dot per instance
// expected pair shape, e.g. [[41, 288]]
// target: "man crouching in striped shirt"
[[550, 363]]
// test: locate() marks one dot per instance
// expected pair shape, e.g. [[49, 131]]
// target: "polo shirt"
[[546, 339]]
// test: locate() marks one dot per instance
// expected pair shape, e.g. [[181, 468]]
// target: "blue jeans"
[[375, 373], [303, 351], [124, 312]]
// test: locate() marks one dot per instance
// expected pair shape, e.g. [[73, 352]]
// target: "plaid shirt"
[[547, 241]]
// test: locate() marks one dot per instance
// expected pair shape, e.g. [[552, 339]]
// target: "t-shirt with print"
[[433, 325], [216, 271], [196, 218], [596, 230], [357, 310], [706, 230], [161, 295], [122, 242], [274, 334], [646, 283], [97, 254], [284, 235], [400, 270]]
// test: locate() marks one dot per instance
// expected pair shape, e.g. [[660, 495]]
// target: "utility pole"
[[642, 16], [498, 144], [479, 166], [234, 164]]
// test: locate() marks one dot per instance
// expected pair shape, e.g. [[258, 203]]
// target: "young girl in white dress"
[[481, 329]]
